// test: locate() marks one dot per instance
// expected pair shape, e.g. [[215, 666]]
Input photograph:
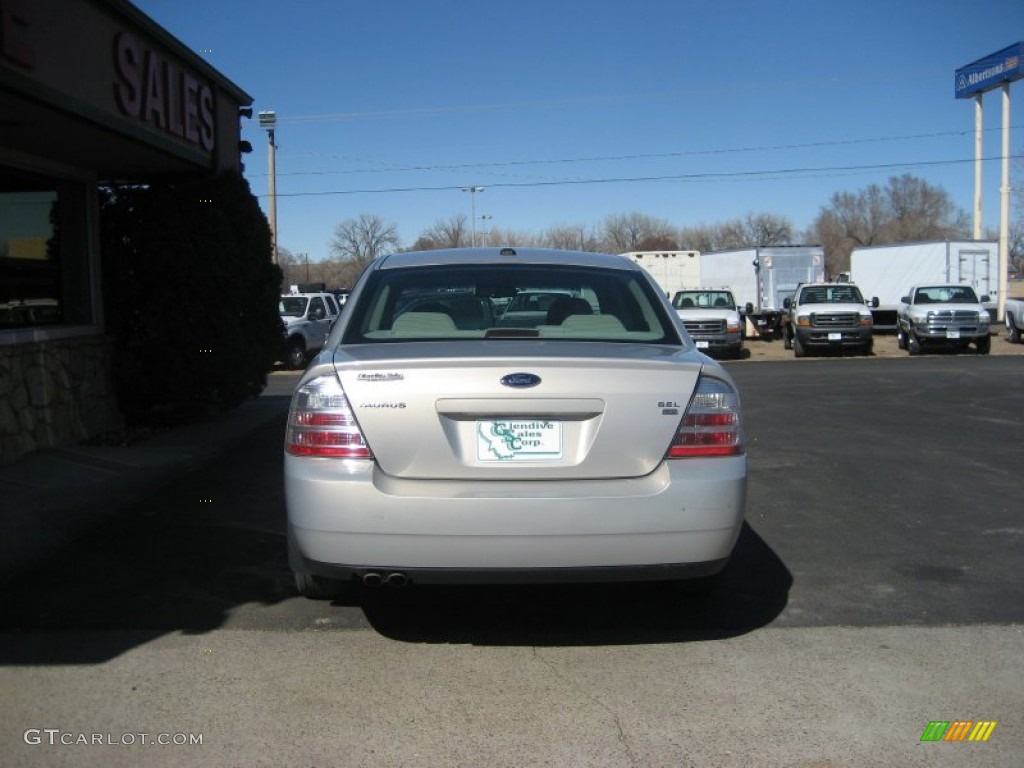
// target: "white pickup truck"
[[307, 319], [948, 315], [712, 320], [1014, 316]]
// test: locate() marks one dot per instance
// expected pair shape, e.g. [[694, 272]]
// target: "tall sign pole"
[[978, 154], [997, 70]]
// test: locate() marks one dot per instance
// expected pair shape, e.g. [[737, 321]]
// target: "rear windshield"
[[508, 301]]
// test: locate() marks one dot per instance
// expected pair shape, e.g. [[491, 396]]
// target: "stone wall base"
[[55, 392]]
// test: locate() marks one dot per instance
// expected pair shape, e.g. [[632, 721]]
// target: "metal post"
[[1004, 208], [472, 194], [977, 166]]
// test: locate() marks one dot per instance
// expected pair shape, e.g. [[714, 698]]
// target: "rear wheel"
[[295, 356], [319, 587], [1012, 331]]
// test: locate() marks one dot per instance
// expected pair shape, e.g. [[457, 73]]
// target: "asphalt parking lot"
[[875, 589]]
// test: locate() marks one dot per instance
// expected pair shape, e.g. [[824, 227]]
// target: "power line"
[[685, 177], [626, 157]]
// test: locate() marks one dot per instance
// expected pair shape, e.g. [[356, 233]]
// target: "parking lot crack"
[[574, 685]]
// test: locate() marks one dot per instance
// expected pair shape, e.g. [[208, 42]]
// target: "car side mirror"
[[985, 298], [904, 299], [750, 307], [787, 303], [875, 303]]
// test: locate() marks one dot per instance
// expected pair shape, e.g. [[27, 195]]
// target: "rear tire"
[[295, 356], [319, 587], [1012, 331]]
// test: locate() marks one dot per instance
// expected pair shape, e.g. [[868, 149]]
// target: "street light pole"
[[268, 120], [472, 194], [485, 217]]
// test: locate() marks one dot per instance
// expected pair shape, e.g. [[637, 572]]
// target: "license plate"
[[952, 334], [702, 345], [835, 337], [519, 440]]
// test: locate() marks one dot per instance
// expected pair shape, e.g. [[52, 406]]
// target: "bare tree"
[[703, 237], [446, 233], [630, 232], [908, 209], [364, 238], [568, 237], [767, 229]]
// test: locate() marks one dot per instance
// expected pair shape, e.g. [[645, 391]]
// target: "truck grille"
[[704, 326], [944, 316], [835, 320]]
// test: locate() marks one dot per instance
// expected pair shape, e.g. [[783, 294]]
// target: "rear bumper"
[[347, 518]]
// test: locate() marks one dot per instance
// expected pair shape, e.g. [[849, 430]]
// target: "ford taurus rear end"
[[437, 439]]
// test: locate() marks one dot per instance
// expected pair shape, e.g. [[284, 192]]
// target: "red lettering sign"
[[156, 91]]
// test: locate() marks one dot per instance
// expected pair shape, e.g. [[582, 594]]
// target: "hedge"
[[190, 296]]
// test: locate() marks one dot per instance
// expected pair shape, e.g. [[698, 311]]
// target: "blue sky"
[[568, 111]]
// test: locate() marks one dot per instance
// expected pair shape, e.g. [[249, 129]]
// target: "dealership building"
[[91, 92]]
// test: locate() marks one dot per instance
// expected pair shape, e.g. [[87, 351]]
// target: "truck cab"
[[712, 320], [828, 317], [307, 319]]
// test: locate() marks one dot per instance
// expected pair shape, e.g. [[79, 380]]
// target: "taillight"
[[712, 425], [321, 422]]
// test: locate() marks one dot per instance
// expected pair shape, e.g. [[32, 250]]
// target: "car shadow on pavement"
[[753, 591]]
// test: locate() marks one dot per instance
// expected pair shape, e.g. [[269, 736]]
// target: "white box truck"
[[761, 279], [888, 271], [672, 270]]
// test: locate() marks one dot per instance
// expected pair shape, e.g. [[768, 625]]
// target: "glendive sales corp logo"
[[958, 730]]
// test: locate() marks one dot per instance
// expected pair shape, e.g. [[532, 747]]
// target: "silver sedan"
[[442, 437]]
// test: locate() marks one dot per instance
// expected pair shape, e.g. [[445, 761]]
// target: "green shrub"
[[190, 296]]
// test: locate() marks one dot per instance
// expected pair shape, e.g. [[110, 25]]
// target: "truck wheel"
[[913, 345], [798, 347], [984, 345], [787, 341], [901, 339], [295, 356], [1012, 331]]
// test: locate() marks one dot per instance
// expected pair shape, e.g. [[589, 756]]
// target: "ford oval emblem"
[[520, 380]]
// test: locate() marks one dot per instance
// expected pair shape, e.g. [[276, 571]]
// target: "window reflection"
[[31, 284]]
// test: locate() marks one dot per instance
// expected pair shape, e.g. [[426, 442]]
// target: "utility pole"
[[268, 121], [472, 194]]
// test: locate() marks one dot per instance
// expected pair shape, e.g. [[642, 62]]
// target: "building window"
[[44, 255]]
